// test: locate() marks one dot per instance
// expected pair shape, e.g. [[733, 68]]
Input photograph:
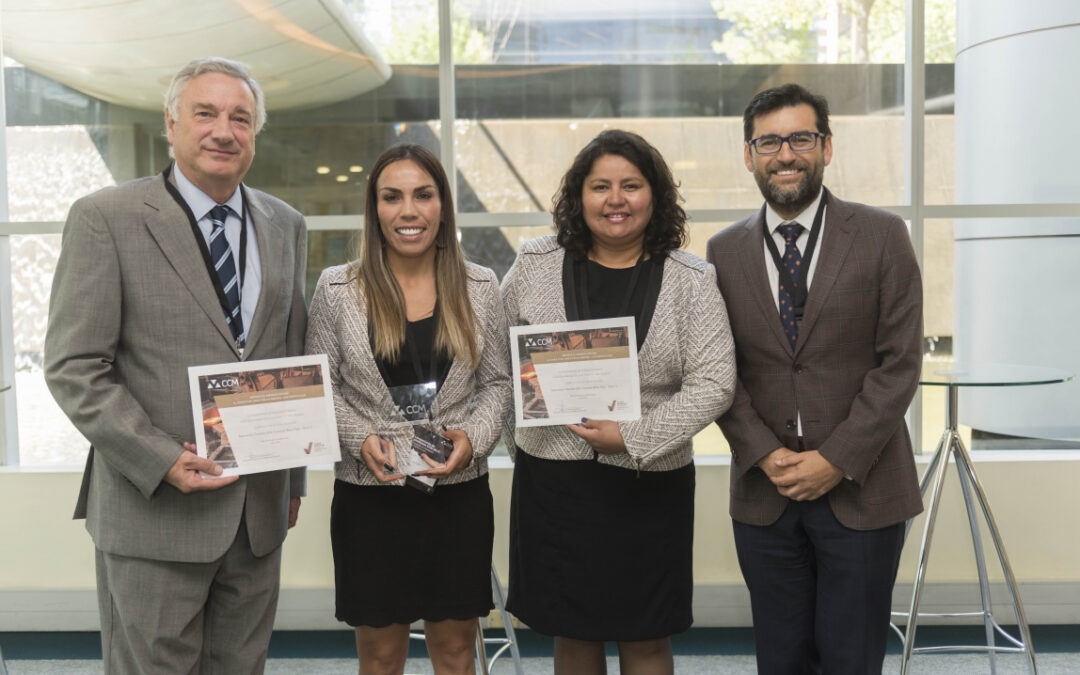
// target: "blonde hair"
[[455, 333]]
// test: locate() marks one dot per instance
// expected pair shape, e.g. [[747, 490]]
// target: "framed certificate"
[[253, 416], [576, 369]]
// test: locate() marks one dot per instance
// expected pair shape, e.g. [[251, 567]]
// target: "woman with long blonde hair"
[[416, 341]]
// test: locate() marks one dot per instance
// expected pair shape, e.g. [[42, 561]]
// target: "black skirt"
[[401, 555], [601, 553]]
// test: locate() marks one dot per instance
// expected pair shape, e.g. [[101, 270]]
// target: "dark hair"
[[666, 230], [785, 96]]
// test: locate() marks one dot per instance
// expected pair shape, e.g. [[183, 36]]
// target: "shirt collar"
[[198, 201], [806, 218]]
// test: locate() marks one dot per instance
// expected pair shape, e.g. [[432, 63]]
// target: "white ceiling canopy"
[[302, 52]]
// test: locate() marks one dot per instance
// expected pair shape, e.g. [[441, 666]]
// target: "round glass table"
[[951, 446]]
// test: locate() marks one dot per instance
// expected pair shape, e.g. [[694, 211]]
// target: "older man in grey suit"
[[185, 268], [825, 302]]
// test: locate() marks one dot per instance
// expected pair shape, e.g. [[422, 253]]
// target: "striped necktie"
[[221, 255], [792, 261]]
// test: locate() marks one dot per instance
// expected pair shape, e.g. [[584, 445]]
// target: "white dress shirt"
[[806, 219], [200, 204]]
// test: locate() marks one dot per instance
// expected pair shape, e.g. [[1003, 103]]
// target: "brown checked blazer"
[[851, 375]]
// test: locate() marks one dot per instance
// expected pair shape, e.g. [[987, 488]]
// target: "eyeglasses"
[[800, 141]]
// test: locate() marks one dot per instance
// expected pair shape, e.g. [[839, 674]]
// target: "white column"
[[1016, 279]]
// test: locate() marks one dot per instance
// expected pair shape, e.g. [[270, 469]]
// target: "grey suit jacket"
[[851, 376], [686, 365], [132, 307], [472, 400]]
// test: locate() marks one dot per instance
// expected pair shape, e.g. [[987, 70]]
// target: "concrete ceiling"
[[302, 52]]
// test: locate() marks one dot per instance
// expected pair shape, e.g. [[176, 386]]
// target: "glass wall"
[[531, 84]]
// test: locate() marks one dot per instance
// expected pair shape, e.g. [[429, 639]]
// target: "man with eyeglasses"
[[825, 302]]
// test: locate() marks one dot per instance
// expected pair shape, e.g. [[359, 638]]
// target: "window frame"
[[913, 209]]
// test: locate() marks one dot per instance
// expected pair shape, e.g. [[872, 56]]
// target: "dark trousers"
[[820, 592]]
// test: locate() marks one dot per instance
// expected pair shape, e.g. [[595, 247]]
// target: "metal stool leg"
[[964, 465], [952, 447], [942, 450], [924, 556], [980, 559]]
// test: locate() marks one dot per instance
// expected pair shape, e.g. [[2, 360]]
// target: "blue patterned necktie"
[[221, 254], [792, 261]]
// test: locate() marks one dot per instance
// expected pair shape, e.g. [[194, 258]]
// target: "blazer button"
[[798, 368], [790, 425]]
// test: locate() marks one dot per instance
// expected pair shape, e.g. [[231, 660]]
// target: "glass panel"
[[937, 272], [680, 74], [404, 31], [46, 437], [939, 123], [940, 35], [63, 143]]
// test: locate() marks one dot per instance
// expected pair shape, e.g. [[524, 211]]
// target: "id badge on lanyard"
[[416, 404]]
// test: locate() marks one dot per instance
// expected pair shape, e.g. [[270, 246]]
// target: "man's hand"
[[376, 457], [806, 475], [768, 463], [603, 435], [460, 456], [294, 511], [185, 474]]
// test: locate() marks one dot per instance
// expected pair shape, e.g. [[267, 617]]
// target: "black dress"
[[599, 552], [401, 555]]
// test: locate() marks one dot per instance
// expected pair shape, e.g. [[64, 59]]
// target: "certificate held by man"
[[264, 415], [567, 371]]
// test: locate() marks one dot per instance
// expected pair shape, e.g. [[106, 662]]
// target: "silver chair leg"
[[965, 466], [508, 625], [481, 649], [3, 664], [924, 557], [980, 558]]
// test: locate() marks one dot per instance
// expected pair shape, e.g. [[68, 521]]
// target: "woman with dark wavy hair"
[[601, 524]]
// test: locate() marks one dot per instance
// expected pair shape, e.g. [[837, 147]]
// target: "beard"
[[795, 199]]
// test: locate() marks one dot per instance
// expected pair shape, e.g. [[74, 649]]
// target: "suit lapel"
[[752, 260], [836, 242], [270, 238], [168, 225]]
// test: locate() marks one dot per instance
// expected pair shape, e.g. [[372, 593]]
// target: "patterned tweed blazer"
[[686, 364], [474, 401]]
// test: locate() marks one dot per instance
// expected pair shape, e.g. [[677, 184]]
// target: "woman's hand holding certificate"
[[603, 435]]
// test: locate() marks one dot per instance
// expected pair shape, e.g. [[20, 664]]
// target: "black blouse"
[[403, 371], [592, 291]]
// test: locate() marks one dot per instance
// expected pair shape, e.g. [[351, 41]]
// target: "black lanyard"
[[575, 285], [801, 288], [205, 250]]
